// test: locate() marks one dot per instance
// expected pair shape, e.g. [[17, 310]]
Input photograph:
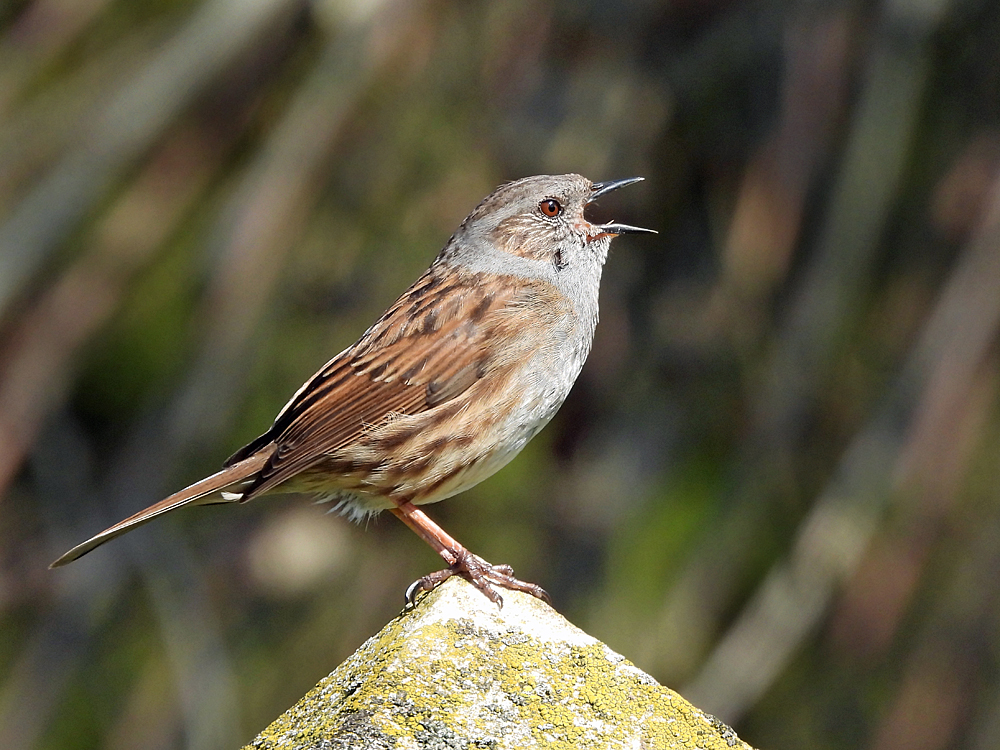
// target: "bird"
[[447, 386]]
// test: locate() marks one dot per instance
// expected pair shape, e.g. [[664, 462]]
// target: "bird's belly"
[[502, 453], [494, 436], [427, 457]]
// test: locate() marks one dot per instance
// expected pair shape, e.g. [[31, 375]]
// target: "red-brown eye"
[[550, 207]]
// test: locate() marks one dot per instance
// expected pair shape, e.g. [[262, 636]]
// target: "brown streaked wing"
[[433, 344]]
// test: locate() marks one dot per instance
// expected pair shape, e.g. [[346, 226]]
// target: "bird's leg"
[[473, 568]]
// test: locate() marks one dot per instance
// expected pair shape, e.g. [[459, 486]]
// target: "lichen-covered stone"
[[457, 672]]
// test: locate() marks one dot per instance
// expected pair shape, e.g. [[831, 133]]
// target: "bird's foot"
[[481, 574]]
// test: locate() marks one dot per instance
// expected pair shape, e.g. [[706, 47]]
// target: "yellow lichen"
[[453, 684]]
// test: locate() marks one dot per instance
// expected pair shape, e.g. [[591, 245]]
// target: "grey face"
[[538, 219]]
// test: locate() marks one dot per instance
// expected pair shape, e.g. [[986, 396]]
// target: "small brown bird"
[[447, 386]]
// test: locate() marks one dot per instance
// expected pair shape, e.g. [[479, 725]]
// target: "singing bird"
[[447, 386]]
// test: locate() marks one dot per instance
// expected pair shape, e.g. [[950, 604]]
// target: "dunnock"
[[448, 385]]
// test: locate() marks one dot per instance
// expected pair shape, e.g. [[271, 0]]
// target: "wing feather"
[[431, 346]]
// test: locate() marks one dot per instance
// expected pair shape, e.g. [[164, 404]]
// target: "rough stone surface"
[[458, 672]]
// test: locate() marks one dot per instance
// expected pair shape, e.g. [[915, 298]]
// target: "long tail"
[[229, 476]]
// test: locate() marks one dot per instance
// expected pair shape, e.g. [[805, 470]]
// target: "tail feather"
[[229, 476]]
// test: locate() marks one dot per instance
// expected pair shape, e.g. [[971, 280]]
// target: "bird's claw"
[[481, 574]]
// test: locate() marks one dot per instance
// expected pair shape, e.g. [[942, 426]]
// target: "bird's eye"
[[550, 207]]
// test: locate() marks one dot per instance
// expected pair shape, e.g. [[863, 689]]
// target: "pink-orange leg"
[[473, 568]]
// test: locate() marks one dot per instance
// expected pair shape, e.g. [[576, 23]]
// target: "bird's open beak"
[[602, 188], [615, 228]]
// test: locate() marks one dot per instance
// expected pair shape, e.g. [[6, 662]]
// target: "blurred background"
[[775, 486]]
